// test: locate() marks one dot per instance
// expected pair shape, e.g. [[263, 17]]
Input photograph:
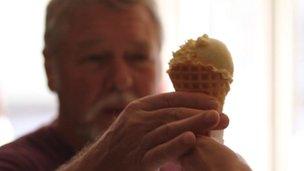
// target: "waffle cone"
[[200, 78]]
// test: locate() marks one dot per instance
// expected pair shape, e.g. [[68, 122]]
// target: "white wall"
[[22, 80]]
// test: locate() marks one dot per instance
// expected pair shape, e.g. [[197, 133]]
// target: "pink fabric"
[[43, 150]]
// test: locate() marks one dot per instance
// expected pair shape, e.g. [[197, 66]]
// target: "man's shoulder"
[[42, 139], [20, 154], [23, 144], [38, 149]]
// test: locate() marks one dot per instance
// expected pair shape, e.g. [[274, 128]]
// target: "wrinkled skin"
[[151, 132]]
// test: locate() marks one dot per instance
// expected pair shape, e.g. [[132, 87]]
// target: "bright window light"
[[244, 26]]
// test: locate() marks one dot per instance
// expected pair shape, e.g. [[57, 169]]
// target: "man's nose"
[[122, 78]]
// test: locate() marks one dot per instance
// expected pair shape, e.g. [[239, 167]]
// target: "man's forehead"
[[87, 43], [96, 21], [85, 19], [83, 15], [100, 12]]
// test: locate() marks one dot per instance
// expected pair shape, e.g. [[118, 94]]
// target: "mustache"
[[110, 100]]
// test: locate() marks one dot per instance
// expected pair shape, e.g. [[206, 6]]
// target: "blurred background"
[[266, 101]]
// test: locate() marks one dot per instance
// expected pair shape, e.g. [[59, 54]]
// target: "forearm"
[[85, 160], [90, 158]]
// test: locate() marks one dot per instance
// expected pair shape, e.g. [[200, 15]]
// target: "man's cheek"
[[146, 85]]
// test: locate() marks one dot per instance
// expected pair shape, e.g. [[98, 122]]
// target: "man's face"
[[108, 59]]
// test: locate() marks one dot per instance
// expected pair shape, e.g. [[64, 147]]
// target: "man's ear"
[[51, 71]]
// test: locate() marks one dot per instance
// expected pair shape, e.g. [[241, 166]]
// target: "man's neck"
[[68, 131]]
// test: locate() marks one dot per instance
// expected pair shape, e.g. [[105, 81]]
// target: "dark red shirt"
[[42, 150]]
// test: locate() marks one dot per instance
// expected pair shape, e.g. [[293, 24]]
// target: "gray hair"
[[56, 24]]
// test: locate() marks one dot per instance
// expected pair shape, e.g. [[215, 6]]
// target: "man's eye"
[[96, 58], [137, 57]]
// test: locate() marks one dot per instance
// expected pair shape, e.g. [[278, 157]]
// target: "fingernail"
[[188, 138], [212, 116], [215, 104]]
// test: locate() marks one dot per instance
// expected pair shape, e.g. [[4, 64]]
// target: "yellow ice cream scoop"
[[205, 51]]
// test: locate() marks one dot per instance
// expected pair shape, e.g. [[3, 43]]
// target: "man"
[[102, 59]]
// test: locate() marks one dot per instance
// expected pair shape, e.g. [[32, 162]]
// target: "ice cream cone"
[[204, 66], [200, 78]]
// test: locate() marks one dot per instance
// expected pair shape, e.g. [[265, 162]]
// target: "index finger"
[[179, 99]]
